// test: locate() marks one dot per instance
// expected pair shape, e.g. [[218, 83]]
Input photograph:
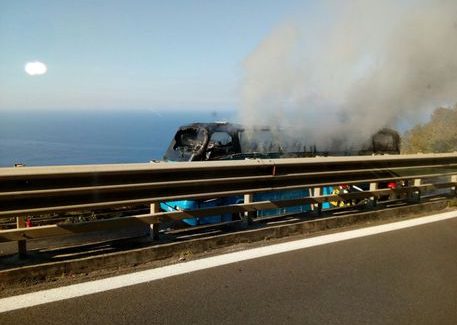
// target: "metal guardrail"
[[28, 191]]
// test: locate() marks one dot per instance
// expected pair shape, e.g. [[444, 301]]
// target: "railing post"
[[21, 244], [415, 196], [155, 208], [318, 206], [454, 188], [373, 199], [249, 215]]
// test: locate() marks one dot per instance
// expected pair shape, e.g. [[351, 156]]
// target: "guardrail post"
[[155, 208], [249, 215], [454, 188], [415, 196], [318, 206], [373, 199], [21, 244]]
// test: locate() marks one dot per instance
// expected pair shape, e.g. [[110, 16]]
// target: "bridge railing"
[[32, 191]]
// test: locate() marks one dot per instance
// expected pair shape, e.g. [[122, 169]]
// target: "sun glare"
[[35, 68]]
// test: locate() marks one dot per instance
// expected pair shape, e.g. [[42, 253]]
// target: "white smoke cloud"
[[377, 63]]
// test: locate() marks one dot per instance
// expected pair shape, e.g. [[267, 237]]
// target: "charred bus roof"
[[222, 140]]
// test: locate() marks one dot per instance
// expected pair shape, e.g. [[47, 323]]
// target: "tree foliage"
[[438, 135]]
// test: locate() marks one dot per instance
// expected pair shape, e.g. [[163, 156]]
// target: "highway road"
[[403, 276]]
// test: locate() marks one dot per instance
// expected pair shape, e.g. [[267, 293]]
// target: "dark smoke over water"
[[374, 64]]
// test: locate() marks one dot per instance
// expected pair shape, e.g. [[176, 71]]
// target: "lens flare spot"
[[35, 68]]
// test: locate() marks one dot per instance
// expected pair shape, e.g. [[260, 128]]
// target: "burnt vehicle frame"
[[228, 141]]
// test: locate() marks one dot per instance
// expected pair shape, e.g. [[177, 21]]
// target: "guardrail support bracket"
[[454, 189], [21, 244], [250, 215], [374, 199], [155, 208]]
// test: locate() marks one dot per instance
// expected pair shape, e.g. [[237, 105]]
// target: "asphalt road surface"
[[406, 276]]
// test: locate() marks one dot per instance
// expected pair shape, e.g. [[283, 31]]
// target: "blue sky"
[[136, 54]]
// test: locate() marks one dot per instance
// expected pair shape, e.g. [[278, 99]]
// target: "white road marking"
[[87, 288]]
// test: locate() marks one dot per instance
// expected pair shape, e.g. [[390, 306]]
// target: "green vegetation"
[[438, 135]]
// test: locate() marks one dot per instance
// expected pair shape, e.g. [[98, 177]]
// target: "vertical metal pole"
[[318, 206], [20, 223], [416, 195], [454, 188], [373, 186], [21, 244], [374, 199], [155, 208], [249, 215]]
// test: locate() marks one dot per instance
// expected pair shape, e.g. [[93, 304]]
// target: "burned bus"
[[227, 141]]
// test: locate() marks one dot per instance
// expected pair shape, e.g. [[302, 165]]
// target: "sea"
[[45, 138]]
